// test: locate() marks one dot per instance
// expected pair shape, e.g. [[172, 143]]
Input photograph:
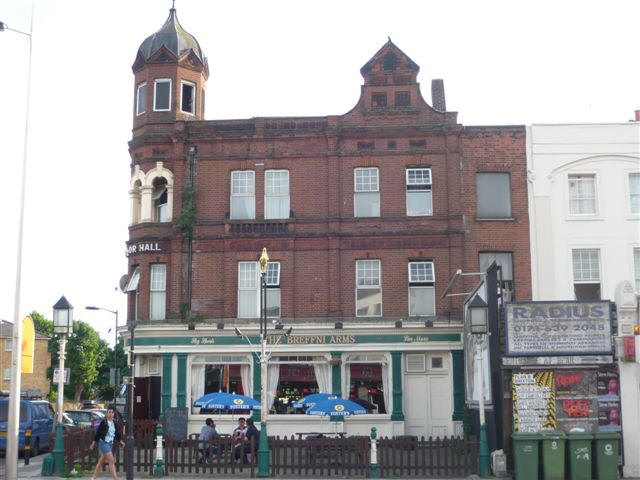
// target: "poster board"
[[533, 401], [176, 422]]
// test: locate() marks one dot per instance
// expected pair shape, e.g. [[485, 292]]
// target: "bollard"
[[373, 467], [27, 445], [158, 470]]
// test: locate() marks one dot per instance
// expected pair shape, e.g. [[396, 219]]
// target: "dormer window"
[[162, 95], [188, 98], [141, 99], [160, 200], [378, 99]]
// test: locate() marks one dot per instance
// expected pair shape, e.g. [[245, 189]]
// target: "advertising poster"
[[579, 413], [609, 416], [534, 403], [576, 383], [608, 386]]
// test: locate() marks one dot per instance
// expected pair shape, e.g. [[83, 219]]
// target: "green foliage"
[[41, 324], [187, 218], [103, 388], [86, 352]]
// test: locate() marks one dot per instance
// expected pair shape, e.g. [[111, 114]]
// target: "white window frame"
[[273, 285], [421, 284], [251, 194], [590, 281], [7, 373], [368, 286], [369, 357], [157, 290], [632, 214], [415, 186], [140, 111], [365, 189], [155, 88], [635, 261], [193, 86], [255, 288], [8, 344], [576, 176], [153, 361], [268, 196]]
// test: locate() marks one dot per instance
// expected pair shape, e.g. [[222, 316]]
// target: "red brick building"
[[365, 216]]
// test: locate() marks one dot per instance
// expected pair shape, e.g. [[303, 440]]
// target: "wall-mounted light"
[[220, 326], [338, 325], [398, 323], [428, 323]]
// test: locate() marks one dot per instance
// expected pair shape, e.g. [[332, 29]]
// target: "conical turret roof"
[[173, 37]]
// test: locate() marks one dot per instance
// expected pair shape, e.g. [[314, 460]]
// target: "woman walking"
[[108, 433]]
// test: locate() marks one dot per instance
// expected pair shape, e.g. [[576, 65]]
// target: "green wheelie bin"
[[607, 450], [580, 455], [553, 465], [525, 455]]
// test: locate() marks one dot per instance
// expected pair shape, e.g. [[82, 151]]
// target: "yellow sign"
[[28, 343]]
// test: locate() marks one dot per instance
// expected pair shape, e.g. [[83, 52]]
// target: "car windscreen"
[[4, 412], [80, 417]]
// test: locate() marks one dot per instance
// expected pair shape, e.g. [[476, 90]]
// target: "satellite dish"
[[124, 279]]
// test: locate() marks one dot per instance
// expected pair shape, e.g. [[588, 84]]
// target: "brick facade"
[[41, 362], [320, 242]]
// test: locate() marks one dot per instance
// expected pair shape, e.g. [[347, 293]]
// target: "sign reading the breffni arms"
[[558, 328]]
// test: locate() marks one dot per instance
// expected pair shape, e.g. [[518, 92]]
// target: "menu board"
[[533, 401]]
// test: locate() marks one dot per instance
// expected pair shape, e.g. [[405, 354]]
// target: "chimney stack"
[[637, 115], [437, 95]]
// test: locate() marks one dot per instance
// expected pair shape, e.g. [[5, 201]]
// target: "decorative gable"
[[390, 66]]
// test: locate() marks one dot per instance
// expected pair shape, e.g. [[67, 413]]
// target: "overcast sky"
[[502, 63]]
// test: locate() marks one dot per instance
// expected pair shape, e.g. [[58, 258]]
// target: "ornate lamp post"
[[263, 445], [479, 323], [115, 356], [62, 326]]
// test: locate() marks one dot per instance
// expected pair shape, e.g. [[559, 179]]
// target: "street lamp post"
[[116, 375], [479, 314], [63, 326], [11, 456], [263, 445], [128, 452]]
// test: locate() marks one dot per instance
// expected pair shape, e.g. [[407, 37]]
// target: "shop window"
[[419, 197], [8, 344], [249, 289], [188, 98], [634, 193], [162, 95], [141, 99], [157, 297], [422, 300], [292, 378], [160, 199], [582, 195], [276, 194], [366, 192], [636, 267], [378, 99], [369, 386], [403, 99], [586, 274], [368, 288], [493, 195], [505, 262], [243, 199], [220, 373]]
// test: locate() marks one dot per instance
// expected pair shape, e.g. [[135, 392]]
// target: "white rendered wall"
[[611, 152]]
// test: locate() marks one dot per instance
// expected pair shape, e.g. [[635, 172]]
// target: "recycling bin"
[[607, 450], [525, 455], [580, 455], [553, 447]]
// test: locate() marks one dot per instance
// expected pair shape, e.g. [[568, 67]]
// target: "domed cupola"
[[170, 71], [173, 37]]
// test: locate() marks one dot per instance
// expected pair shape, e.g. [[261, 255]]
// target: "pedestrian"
[[238, 437], [108, 433], [252, 435], [207, 434]]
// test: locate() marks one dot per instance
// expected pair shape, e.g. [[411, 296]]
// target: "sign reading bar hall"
[[558, 328]]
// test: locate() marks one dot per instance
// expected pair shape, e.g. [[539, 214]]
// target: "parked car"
[[90, 418], [36, 417], [90, 405], [117, 415]]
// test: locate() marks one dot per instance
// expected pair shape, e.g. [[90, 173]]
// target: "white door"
[[440, 406], [416, 415], [428, 405]]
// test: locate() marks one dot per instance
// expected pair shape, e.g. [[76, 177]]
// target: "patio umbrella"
[[226, 401], [311, 400], [337, 407]]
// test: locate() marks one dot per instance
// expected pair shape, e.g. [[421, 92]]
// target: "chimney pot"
[[437, 95]]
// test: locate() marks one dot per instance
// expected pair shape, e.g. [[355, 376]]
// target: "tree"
[[103, 386], [86, 352], [42, 324]]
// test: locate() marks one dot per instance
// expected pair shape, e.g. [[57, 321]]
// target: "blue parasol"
[[337, 407], [226, 401], [311, 400]]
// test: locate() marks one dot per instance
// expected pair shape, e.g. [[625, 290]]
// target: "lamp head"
[[288, 332], [479, 316], [238, 332], [264, 261]]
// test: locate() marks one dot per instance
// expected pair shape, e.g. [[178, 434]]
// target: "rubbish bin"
[[607, 446], [525, 455], [580, 455], [553, 455]]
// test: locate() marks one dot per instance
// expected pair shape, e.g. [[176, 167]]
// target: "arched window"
[[160, 199]]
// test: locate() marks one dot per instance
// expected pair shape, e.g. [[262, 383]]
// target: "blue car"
[[37, 417]]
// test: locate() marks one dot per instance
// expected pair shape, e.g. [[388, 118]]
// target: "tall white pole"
[[61, 376], [16, 355], [480, 360], [263, 380]]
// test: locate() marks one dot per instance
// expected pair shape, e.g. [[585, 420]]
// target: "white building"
[[584, 211]]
